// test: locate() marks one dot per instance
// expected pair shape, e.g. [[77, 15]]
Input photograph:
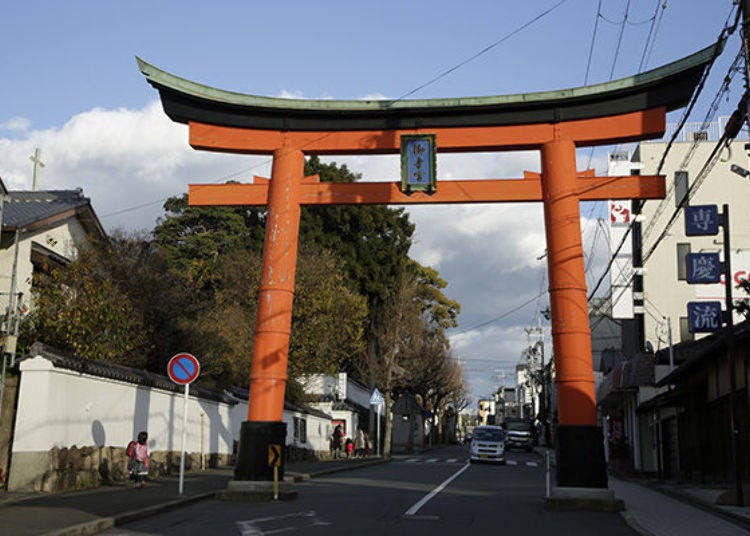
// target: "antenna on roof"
[[36, 158]]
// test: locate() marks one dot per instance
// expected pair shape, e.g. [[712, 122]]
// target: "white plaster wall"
[[318, 431], [62, 408], [62, 239]]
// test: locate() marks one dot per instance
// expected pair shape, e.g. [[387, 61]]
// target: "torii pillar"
[[554, 123]]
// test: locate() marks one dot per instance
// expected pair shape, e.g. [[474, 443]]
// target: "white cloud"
[[374, 96], [16, 124], [128, 161], [290, 94]]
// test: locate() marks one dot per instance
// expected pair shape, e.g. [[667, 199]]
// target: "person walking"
[[336, 441], [140, 461], [359, 444]]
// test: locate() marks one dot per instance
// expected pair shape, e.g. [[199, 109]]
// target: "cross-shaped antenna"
[[36, 158]]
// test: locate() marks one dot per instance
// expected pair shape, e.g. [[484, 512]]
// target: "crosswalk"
[[460, 461]]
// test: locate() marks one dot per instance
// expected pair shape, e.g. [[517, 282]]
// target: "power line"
[[656, 31], [699, 88], [497, 318], [708, 118], [619, 40], [481, 52], [705, 170], [593, 39], [650, 33], [389, 103]]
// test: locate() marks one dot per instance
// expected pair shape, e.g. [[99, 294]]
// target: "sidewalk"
[[657, 508], [92, 511], [665, 510]]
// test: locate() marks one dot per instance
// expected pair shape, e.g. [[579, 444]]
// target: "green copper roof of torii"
[[670, 86]]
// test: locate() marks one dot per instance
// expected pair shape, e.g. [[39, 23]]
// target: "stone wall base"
[[65, 469]]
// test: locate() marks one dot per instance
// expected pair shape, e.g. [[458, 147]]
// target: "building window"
[[683, 248], [680, 187], [300, 430], [685, 334]]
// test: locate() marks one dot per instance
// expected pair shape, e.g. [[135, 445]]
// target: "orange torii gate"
[[554, 122]]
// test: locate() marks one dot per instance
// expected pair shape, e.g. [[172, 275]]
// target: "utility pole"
[[37, 159], [3, 196]]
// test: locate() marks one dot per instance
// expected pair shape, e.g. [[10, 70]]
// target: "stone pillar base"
[[580, 457], [252, 458]]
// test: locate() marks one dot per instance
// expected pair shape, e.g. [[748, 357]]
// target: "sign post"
[[377, 400], [274, 460], [183, 369], [706, 317]]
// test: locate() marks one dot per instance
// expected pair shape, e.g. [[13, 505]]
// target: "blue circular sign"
[[183, 369]]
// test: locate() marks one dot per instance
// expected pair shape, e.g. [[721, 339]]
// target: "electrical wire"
[[593, 39], [726, 31], [656, 31], [481, 52], [497, 318], [390, 103], [619, 40], [648, 38], [708, 118], [694, 186]]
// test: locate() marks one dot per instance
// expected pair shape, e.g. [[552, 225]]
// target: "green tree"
[[372, 241], [327, 323], [78, 309]]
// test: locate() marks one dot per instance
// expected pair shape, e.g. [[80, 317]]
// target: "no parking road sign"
[[183, 369]]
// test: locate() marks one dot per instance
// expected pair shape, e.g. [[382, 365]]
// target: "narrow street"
[[398, 498]]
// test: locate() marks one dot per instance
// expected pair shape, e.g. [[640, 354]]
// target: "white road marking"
[[419, 504], [511, 462], [412, 460], [431, 460], [452, 460], [251, 528], [531, 464]]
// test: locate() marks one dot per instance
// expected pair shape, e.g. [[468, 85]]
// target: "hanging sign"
[[701, 220], [418, 163], [704, 317], [703, 268]]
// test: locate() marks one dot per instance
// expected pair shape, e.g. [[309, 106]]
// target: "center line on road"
[[414, 509], [511, 462], [431, 460]]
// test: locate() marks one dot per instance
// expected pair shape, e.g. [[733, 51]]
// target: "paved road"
[[398, 499]]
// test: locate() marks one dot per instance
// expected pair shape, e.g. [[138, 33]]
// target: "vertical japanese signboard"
[[418, 163], [704, 317], [703, 268], [701, 220]]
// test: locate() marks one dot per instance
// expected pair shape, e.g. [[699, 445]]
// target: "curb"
[[98, 525], [301, 477], [633, 524], [101, 524]]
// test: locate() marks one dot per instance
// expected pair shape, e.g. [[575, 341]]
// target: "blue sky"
[[70, 86]]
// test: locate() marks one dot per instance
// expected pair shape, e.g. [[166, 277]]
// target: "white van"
[[487, 445]]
